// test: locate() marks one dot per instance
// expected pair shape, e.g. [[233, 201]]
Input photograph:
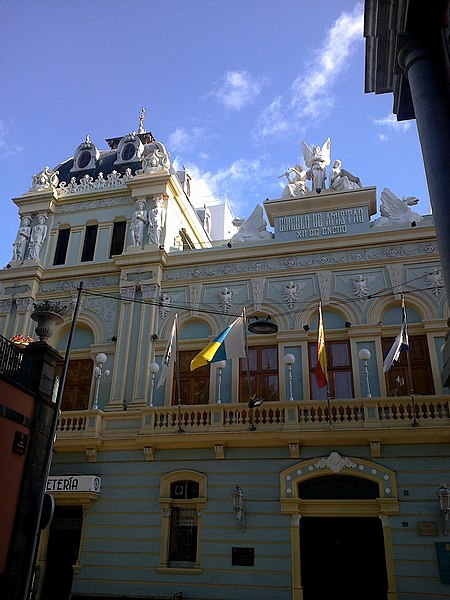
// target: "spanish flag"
[[321, 366], [228, 344]]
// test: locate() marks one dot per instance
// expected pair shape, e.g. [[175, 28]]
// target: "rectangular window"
[[61, 246], [194, 385], [397, 379], [339, 368], [183, 536], [78, 385], [90, 237], [262, 373], [118, 238]]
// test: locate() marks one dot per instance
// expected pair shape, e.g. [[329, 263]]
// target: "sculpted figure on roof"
[[252, 229], [317, 160], [396, 211], [341, 180], [296, 185]]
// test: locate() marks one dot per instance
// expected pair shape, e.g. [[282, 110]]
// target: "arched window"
[[183, 498]]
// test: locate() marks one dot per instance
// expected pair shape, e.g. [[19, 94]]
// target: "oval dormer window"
[[128, 152], [84, 159]]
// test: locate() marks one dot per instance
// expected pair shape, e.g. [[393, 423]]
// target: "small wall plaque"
[[20, 443], [427, 528], [244, 557]]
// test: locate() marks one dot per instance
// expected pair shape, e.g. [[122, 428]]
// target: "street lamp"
[[221, 364], [99, 361], [253, 403], [364, 355], [154, 370], [289, 360], [443, 495], [239, 504]]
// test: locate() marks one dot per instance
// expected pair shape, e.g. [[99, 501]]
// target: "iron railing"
[[17, 366]]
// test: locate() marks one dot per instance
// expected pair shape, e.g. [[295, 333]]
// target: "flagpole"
[[408, 362], [246, 354], [177, 375], [328, 383]]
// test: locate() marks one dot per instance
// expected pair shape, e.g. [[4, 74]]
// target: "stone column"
[[119, 371], [425, 65]]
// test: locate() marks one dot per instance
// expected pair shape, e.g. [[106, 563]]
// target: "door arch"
[[379, 502]]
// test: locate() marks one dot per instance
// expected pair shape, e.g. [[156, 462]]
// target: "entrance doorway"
[[62, 552], [343, 557]]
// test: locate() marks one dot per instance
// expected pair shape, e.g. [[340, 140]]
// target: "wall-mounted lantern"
[[443, 495], [239, 505]]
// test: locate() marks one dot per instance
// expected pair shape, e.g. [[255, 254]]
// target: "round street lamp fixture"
[[262, 326]]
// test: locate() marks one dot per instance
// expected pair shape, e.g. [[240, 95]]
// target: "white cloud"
[[390, 122], [311, 93], [382, 137], [238, 89], [182, 139], [7, 147], [271, 120], [236, 182]]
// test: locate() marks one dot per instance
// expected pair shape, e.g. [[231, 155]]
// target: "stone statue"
[[138, 223], [396, 211], [38, 235], [22, 239], [252, 229], [156, 220], [164, 305], [341, 180], [317, 160], [297, 185]]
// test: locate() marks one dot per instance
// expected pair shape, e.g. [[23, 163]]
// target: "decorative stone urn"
[[47, 315]]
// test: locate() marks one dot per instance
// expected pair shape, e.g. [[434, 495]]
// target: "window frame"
[[167, 504], [420, 365], [332, 370], [62, 245], [117, 238], [259, 374], [197, 381], [89, 243]]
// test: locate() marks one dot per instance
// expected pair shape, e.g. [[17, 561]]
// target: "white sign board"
[[74, 483]]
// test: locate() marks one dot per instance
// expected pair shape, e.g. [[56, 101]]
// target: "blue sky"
[[231, 87]]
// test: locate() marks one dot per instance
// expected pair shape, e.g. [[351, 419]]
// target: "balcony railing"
[[357, 413], [16, 366]]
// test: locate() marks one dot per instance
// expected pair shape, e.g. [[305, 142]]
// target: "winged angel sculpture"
[[396, 211], [317, 160], [251, 229]]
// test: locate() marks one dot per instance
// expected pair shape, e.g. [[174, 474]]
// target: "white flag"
[[169, 355], [401, 342]]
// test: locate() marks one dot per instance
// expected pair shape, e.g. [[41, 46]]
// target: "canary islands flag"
[[228, 344], [321, 365]]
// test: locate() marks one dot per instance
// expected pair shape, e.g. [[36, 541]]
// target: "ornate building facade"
[[242, 479]]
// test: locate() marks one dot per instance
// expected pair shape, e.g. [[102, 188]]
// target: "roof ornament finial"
[[141, 121], [88, 139]]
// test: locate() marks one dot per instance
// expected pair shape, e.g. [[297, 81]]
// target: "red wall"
[[11, 464]]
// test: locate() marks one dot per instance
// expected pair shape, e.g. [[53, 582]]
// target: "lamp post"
[[253, 403], [364, 355], [154, 370], [99, 361], [238, 497], [221, 364], [289, 360], [443, 495]]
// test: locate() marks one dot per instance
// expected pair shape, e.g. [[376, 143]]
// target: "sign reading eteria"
[[74, 483], [324, 223]]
